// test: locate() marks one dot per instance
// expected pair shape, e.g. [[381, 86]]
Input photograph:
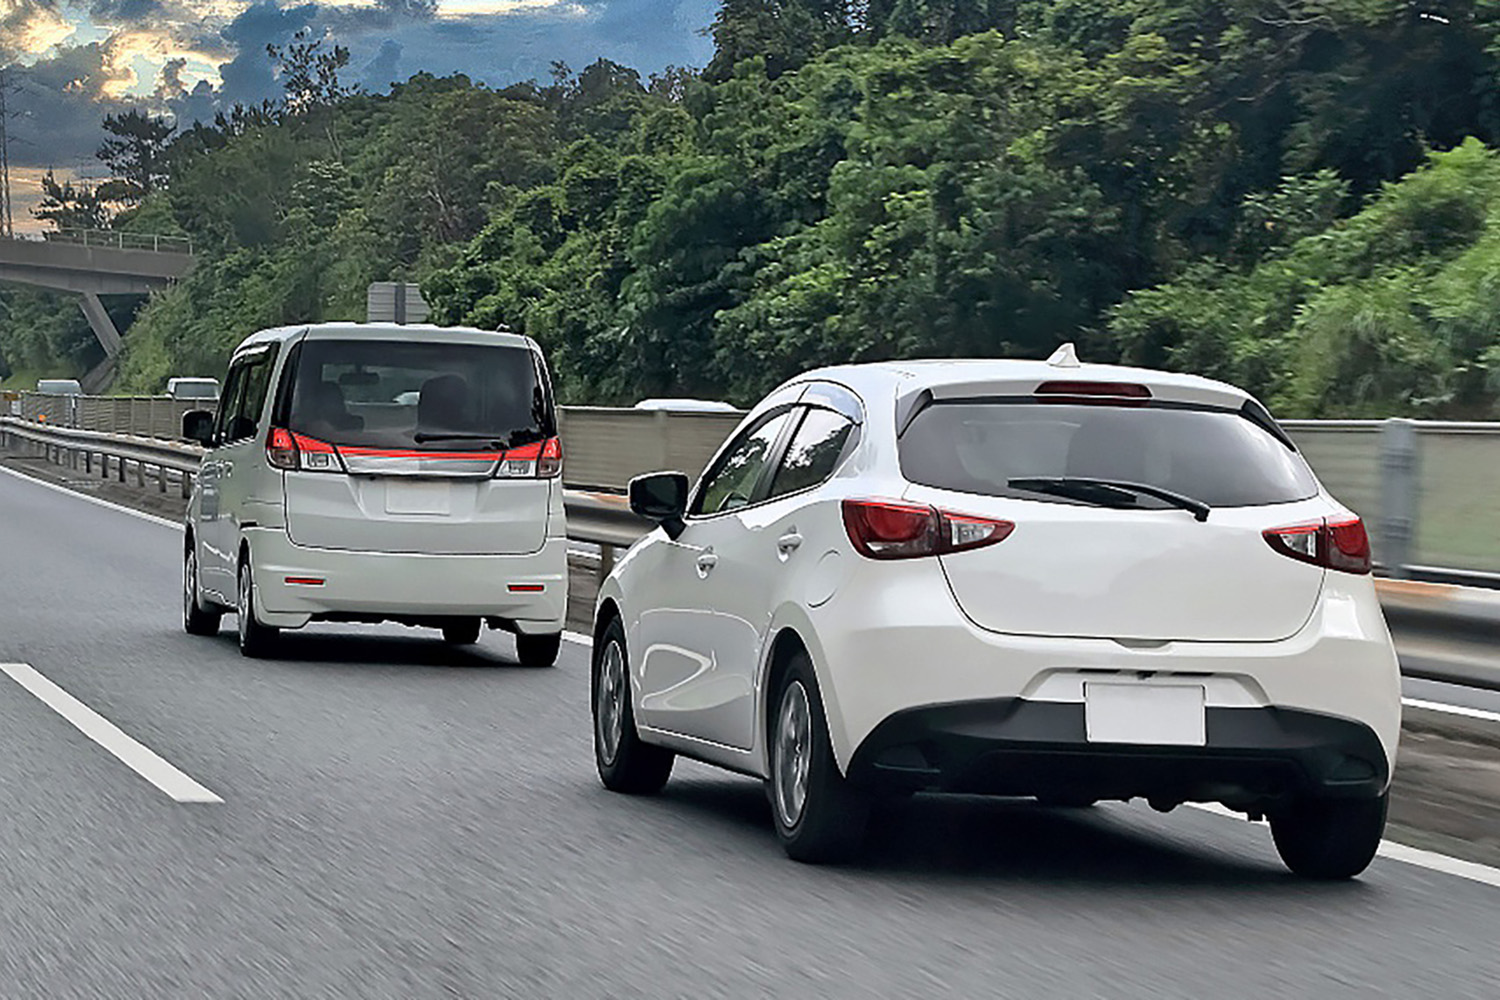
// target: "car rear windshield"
[[418, 394], [1220, 457]]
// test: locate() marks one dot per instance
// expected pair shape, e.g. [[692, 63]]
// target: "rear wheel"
[[1329, 838], [462, 632], [256, 640], [625, 763], [196, 620], [820, 817], [538, 650]]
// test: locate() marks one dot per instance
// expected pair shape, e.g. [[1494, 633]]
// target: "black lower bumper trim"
[[1012, 746]]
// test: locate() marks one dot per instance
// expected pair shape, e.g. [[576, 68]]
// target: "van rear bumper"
[[406, 586]]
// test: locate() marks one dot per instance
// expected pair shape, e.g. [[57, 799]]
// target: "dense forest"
[[1300, 196]]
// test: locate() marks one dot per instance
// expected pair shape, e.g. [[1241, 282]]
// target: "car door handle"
[[706, 562], [788, 543]]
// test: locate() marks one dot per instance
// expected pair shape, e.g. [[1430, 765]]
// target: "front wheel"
[[256, 640], [1330, 838], [820, 817], [625, 763], [196, 620], [538, 650]]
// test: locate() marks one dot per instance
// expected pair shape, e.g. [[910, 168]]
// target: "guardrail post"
[[1400, 481], [122, 468], [161, 479], [606, 561], [187, 485], [88, 462]]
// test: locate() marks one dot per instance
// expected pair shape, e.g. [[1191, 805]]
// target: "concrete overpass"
[[93, 263]]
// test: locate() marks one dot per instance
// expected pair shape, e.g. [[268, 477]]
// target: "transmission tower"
[[7, 218]]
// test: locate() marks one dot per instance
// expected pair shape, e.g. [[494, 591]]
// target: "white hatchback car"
[[1074, 582], [361, 473]]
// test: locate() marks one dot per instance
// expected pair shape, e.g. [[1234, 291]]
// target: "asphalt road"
[[401, 820]]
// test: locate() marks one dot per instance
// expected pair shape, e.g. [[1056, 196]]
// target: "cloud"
[[195, 57]]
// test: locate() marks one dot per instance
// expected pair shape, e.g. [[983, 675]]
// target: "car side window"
[[814, 451], [229, 402], [733, 479], [252, 403]]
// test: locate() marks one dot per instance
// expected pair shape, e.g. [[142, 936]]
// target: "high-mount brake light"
[[1332, 543], [541, 460], [1106, 393], [885, 529], [297, 452]]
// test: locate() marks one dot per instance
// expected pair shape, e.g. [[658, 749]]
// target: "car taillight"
[[1106, 393], [542, 460], [1340, 544], [293, 452], [883, 529]]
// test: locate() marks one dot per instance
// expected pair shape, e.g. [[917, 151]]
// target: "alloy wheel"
[[610, 695], [793, 751]]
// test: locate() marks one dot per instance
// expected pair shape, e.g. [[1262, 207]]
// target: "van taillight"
[[293, 452], [883, 529], [540, 460], [1333, 543]]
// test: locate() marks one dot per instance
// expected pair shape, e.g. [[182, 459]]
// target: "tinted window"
[[732, 482], [251, 402], [234, 387], [419, 395], [814, 451], [1218, 457]]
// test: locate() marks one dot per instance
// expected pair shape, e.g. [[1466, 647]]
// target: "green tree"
[[71, 206], [136, 154]]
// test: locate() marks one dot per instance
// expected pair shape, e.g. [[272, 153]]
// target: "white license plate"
[[1157, 714], [418, 497]]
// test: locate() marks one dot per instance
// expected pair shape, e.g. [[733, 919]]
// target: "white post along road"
[[377, 815]]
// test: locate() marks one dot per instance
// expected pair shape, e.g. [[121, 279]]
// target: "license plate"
[[1155, 714], [417, 497]]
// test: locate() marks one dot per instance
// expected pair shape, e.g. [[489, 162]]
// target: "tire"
[[462, 632], [625, 763], [820, 818], [256, 640], [538, 650], [196, 620], [1329, 838]]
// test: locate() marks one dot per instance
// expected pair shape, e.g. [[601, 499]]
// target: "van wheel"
[[820, 818], [463, 632], [1329, 838], [256, 640], [196, 620], [538, 650], [625, 763]]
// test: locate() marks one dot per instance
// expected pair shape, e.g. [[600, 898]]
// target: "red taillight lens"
[[1348, 546], [882, 529], [539, 460], [291, 451], [1333, 544]]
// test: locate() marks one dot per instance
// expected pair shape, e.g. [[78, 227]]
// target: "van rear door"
[[444, 444]]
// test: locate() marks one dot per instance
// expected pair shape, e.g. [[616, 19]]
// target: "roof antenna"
[[1064, 357]]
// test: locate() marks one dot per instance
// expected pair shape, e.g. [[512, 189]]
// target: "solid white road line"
[[105, 733], [1464, 710], [92, 499], [1431, 860]]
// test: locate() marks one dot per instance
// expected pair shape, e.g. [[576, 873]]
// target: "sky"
[[73, 61]]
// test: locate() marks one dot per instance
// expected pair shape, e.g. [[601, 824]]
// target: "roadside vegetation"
[[1301, 196]]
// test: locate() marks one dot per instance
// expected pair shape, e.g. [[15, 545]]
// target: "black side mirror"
[[661, 497], [198, 426]]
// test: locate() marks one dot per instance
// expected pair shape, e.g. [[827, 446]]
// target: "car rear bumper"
[[1010, 746], [406, 586]]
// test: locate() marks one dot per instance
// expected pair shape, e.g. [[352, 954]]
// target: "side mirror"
[[661, 497], [198, 426]]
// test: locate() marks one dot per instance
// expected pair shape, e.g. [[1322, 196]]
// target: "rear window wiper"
[[1083, 488], [493, 440]]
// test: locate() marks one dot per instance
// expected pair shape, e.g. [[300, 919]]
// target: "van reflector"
[[306, 581], [527, 588]]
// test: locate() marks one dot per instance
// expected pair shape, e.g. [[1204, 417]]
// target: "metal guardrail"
[[606, 521], [117, 240]]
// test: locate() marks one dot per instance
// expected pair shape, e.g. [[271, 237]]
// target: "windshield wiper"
[[1082, 488], [493, 440]]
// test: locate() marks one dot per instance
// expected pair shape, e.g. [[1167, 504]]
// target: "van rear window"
[[1217, 456], [418, 395]]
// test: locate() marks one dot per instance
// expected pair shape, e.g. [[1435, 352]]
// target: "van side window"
[[252, 403], [229, 402]]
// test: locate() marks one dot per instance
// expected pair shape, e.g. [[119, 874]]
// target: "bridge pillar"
[[101, 324]]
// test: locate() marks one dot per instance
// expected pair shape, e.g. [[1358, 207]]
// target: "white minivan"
[[373, 473]]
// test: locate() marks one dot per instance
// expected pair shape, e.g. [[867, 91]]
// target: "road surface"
[[403, 820]]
